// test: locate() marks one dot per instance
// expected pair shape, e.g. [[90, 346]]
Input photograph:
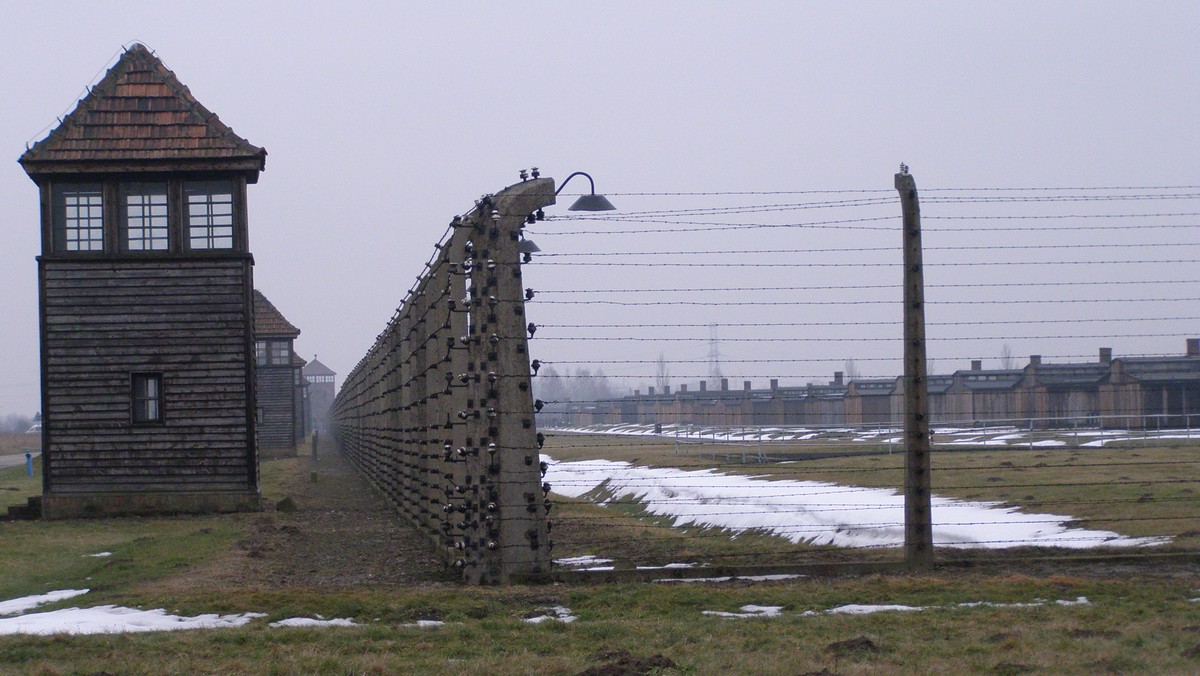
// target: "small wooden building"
[[146, 301], [279, 380]]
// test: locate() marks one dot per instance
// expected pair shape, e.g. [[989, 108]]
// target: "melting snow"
[[816, 512], [557, 613], [748, 611], [727, 578], [860, 609], [24, 603], [312, 622], [115, 620], [951, 436], [585, 562], [99, 555]]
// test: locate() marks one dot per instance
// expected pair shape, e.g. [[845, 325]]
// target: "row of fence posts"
[[439, 414]]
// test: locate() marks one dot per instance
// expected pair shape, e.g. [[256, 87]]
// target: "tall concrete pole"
[[918, 518]]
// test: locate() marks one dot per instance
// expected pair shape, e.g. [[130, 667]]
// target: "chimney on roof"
[[774, 383], [703, 385], [1035, 360], [1105, 355], [724, 384], [666, 389], [976, 364], [637, 393], [838, 377], [746, 385], [683, 388], [650, 391], [1193, 347]]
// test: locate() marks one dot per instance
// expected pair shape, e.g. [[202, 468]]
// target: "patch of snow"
[[14, 606], [727, 578], [816, 512], [115, 620], [99, 555], [557, 614], [586, 562], [669, 565], [860, 609], [748, 611], [313, 622]]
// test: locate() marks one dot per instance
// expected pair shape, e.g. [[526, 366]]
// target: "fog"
[[384, 120]]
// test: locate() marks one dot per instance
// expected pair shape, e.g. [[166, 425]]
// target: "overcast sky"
[[384, 120]]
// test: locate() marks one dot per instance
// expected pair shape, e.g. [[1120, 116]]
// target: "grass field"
[[1137, 618], [14, 444]]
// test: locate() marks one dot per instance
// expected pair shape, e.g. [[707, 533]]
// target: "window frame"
[[143, 188], [279, 352], [146, 403], [203, 227], [60, 225]]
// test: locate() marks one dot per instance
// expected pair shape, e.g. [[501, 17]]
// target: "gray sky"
[[383, 120]]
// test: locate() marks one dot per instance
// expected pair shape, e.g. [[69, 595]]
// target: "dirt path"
[[339, 534]]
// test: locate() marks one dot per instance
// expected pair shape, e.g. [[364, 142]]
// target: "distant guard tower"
[[320, 393], [145, 278]]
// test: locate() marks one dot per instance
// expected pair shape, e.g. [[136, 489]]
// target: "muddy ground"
[[337, 532]]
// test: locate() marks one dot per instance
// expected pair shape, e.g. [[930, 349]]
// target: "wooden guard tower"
[[146, 302]]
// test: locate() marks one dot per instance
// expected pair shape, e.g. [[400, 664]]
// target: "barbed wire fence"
[[438, 415], [802, 290]]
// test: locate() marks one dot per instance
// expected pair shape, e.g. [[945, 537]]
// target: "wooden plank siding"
[[277, 406], [188, 320]]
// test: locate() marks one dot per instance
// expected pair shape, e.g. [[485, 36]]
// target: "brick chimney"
[[976, 364], [703, 386], [1193, 347], [838, 377], [1105, 355], [724, 384], [746, 385], [650, 392], [1035, 360], [666, 389], [774, 384], [683, 388]]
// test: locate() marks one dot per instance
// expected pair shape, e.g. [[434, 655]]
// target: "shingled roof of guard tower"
[[140, 114]]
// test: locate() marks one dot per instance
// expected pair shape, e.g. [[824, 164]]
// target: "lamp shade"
[[592, 202]]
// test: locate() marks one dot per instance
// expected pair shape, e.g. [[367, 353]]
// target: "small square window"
[[146, 397], [260, 352]]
